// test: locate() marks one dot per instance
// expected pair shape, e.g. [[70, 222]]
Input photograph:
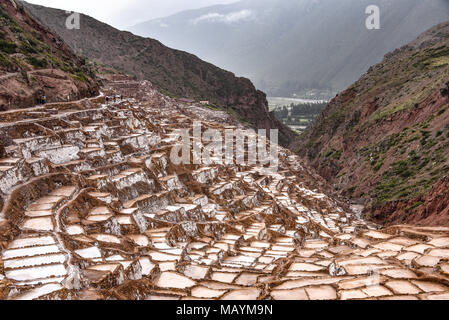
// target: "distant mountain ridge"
[[290, 47], [174, 72]]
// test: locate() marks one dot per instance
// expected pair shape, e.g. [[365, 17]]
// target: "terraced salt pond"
[[100, 212]]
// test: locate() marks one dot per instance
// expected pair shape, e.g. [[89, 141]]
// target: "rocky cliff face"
[[385, 140], [34, 62], [176, 73]]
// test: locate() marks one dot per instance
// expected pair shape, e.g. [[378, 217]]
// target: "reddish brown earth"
[[35, 62], [434, 210], [384, 141]]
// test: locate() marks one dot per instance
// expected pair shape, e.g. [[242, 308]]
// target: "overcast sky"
[[122, 14]]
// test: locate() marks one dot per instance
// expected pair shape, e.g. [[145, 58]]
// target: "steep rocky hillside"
[[175, 72], [385, 140], [35, 62]]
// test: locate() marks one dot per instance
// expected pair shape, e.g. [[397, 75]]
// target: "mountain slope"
[[385, 140], [289, 46], [175, 72], [34, 62]]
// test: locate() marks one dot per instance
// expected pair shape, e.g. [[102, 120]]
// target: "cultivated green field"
[[298, 114]]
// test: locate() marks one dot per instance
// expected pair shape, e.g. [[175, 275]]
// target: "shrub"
[[425, 136], [27, 48], [5, 62], [378, 166], [80, 76], [37, 63], [329, 153], [337, 155], [414, 206], [351, 190], [7, 46]]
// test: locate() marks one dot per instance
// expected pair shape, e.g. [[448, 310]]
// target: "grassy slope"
[[25, 46], [386, 138]]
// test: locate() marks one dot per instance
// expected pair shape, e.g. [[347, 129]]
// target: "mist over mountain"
[[291, 46], [35, 62]]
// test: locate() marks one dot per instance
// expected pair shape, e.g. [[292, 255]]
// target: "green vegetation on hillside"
[[21, 46], [393, 125]]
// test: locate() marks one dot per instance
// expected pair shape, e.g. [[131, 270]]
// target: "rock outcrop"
[[36, 63]]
